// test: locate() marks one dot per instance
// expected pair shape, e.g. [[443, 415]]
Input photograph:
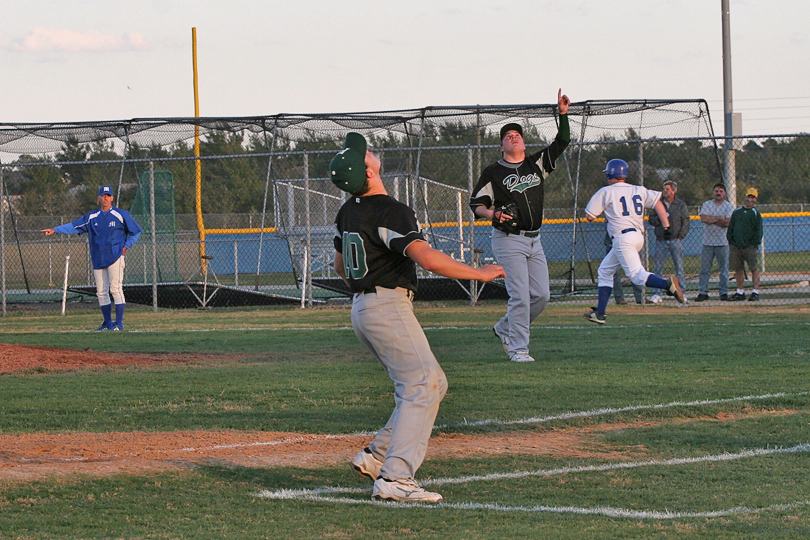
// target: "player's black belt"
[[625, 231], [530, 234], [373, 290]]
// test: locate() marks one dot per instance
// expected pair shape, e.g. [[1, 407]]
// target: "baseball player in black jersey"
[[519, 179], [378, 243]]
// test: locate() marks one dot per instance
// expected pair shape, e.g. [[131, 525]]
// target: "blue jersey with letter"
[[108, 234]]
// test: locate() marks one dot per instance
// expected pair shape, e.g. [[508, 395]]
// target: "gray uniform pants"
[[707, 254], [524, 262], [384, 322]]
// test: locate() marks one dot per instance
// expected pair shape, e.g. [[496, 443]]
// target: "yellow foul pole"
[[198, 164]]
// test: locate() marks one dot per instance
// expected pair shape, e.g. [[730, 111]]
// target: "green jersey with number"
[[372, 233]]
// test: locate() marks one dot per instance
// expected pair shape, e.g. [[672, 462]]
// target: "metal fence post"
[[154, 235], [646, 231], [308, 274], [65, 284], [235, 263], [3, 202], [460, 221], [473, 260]]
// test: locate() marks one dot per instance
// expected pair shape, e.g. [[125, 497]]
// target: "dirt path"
[[34, 456], [28, 457], [33, 358]]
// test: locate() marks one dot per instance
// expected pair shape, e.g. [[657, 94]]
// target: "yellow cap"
[[752, 191]]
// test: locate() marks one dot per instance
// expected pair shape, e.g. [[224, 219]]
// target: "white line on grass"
[[433, 328], [799, 448], [289, 440], [613, 410], [324, 494], [598, 511], [533, 420]]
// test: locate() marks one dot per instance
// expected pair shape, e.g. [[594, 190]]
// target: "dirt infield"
[[29, 457], [44, 359], [36, 456]]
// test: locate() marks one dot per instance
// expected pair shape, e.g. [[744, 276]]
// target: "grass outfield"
[[677, 423]]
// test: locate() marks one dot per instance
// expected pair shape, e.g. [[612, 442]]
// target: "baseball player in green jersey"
[[518, 181], [378, 243]]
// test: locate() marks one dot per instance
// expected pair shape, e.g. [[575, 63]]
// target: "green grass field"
[[696, 421]]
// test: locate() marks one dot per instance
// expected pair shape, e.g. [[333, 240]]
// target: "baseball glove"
[[508, 225]]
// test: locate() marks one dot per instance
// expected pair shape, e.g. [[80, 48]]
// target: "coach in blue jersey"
[[110, 233]]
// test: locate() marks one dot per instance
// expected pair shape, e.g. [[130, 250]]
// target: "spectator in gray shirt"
[[715, 214], [669, 242]]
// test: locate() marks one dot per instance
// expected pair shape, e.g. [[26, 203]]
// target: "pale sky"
[[85, 60]]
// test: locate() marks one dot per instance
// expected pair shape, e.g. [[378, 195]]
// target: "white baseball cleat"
[[521, 357], [403, 490], [656, 299], [366, 464]]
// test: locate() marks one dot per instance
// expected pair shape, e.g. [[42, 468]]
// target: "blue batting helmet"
[[616, 168]]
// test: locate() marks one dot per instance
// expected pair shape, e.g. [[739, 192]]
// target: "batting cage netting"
[[240, 211]]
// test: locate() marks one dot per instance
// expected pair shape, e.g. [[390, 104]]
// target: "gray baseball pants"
[[384, 322], [524, 262], [707, 254]]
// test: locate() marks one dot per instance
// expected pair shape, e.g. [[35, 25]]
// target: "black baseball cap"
[[348, 167], [511, 127]]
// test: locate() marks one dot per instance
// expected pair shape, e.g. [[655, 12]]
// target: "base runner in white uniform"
[[623, 205], [378, 243]]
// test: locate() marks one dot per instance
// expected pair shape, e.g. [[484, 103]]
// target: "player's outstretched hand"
[[563, 102], [47, 232], [491, 271]]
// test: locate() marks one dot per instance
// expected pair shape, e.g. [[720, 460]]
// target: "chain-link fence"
[[250, 221]]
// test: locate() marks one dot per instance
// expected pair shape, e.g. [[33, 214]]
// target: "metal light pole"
[[728, 110]]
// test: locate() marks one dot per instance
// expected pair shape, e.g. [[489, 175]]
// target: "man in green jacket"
[[744, 236]]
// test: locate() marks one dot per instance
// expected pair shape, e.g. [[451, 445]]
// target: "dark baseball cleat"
[[621, 302], [754, 297], [104, 326], [366, 465], [674, 289], [724, 298], [702, 298], [737, 297], [504, 340], [595, 317]]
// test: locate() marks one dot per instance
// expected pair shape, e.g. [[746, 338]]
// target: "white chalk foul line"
[[325, 494], [534, 328], [598, 511], [613, 410], [533, 420], [289, 440], [799, 448]]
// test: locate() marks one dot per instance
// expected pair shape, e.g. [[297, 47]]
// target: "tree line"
[[66, 183]]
